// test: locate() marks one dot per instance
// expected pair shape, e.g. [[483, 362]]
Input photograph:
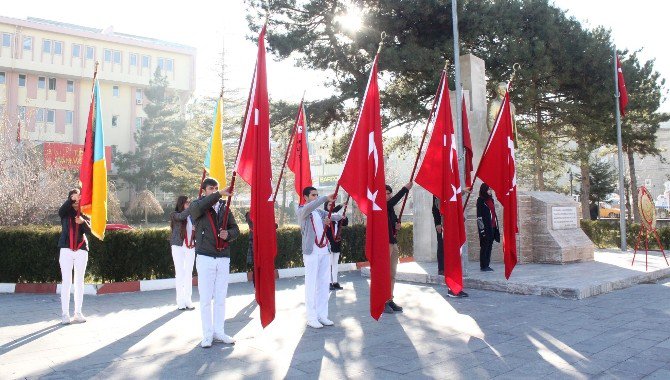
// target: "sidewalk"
[[623, 334]]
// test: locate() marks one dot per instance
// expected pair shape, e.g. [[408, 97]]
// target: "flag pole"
[[622, 195], [337, 188], [288, 147], [423, 138], [515, 67]]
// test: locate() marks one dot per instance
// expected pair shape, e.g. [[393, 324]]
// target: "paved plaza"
[[624, 334]]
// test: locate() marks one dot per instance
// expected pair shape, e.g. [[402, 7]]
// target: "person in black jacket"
[[73, 246], [437, 219], [335, 238], [487, 224], [394, 227], [212, 249]]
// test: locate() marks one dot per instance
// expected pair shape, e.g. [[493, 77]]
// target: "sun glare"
[[351, 20]]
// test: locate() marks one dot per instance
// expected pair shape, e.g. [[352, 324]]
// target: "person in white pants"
[[316, 257], [212, 250], [73, 246], [182, 241]]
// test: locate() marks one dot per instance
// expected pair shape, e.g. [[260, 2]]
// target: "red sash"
[[74, 235], [220, 243], [316, 240]]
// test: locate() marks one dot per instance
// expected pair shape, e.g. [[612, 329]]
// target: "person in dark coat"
[[487, 224], [335, 239], [437, 219]]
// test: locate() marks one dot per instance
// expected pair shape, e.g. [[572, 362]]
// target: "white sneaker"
[[206, 343], [79, 318], [65, 320], [326, 322], [314, 324], [224, 339]]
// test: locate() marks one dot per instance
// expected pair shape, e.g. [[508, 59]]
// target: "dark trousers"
[[440, 253], [485, 246]]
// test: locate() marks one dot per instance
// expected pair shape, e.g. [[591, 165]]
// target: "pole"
[[423, 138], [459, 117], [622, 196]]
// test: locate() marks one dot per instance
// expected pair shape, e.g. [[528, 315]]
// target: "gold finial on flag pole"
[[381, 42]]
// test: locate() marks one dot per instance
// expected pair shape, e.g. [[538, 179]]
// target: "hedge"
[[605, 234], [29, 254]]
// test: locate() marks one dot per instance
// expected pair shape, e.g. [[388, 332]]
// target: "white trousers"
[[183, 258], [334, 266], [72, 259], [212, 286], [317, 291]]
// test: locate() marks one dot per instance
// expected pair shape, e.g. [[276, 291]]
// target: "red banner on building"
[[68, 156]]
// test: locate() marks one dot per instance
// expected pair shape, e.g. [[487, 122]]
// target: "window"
[[27, 43], [52, 84], [58, 47], [138, 123], [117, 56], [41, 82], [69, 116], [169, 64], [6, 39], [133, 59], [115, 120], [160, 63], [2, 77], [145, 61], [40, 115], [46, 46], [76, 50], [115, 91], [51, 116], [22, 80], [108, 55], [90, 52], [70, 86], [138, 96]]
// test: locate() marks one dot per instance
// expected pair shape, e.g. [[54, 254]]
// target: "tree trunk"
[[282, 212], [633, 184], [539, 171], [146, 216], [586, 187]]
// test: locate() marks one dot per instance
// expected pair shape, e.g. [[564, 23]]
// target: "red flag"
[[254, 166], [363, 179], [497, 169], [298, 159], [623, 93], [467, 145], [439, 175]]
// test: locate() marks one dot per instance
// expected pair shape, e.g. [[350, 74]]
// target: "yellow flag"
[[214, 160]]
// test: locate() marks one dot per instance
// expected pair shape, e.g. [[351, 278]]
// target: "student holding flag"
[[73, 246], [182, 242]]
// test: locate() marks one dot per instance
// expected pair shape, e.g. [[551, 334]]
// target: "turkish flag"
[[467, 145], [497, 169], [363, 179], [439, 175], [623, 93], [298, 159], [254, 167]]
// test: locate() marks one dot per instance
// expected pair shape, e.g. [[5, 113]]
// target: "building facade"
[[46, 70]]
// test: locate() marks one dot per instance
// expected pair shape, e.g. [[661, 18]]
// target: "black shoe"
[[388, 309], [487, 269], [332, 286], [440, 272], [461, 294], [337, 286], [181, 308], [394, 306]]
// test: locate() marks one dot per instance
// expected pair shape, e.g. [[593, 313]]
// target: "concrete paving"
[[623, 334], [610, 270]]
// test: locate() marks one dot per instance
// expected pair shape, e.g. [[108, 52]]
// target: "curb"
[[162, 284]]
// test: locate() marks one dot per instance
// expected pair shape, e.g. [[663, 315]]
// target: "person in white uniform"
[[73, 246], [212, 249], [316, 256], [182, 242]]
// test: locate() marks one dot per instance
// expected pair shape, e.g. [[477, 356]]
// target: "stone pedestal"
[[423, 233]]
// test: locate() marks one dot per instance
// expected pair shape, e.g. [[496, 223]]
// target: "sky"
[[209, 25]]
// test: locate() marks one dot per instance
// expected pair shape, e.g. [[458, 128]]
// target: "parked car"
[[606, 210], [117, 226]]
